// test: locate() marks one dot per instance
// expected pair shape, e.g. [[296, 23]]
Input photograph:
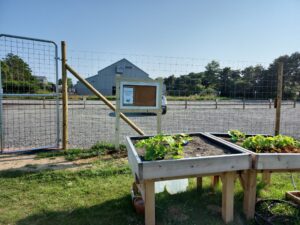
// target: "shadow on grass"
[[113, 212], [50, 175], [191, 207]]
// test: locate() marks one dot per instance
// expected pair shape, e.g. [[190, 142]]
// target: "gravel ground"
[[29, 125]]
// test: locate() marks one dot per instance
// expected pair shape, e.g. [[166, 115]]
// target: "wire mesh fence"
[[203, 95], [29, 98]]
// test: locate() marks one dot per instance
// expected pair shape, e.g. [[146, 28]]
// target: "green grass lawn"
[[100, 194]]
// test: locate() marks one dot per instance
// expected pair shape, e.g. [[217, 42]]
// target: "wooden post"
[[84, 101], [65, 138], [199, 183], [159, 113], [216, 102], [44, 105], [266, 177], [149, 202], [117, 113], [249, 193], [295, 102], [279, 97], [185, 104], [215, 180], [228, 196]]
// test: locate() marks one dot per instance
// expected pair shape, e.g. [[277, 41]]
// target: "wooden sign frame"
[[122, 83], [125, 84]]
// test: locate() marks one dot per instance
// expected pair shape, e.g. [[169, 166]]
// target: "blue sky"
[[252, 30]]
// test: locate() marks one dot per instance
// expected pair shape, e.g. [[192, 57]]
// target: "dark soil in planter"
[[202, 147], [197, 147]]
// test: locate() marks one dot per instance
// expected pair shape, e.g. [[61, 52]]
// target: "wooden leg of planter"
[[266, 177], [228, 196], [149, 202], [215, 180], [199, 183], [250, 194]]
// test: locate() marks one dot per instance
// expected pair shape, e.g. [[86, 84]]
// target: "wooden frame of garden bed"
[[226, 166], [265, 163]]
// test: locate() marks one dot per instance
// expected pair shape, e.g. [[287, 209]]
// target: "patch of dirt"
[[31, 163], [200, 146]]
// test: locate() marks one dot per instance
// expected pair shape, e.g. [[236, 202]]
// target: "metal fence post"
[[270, 103], [279, 97], [244, 103], [64, 96]]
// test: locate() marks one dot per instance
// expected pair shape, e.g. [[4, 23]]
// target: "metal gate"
[[29, 95]]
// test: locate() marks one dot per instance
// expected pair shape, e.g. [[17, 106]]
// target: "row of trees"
[[251, 82], [17, 77]]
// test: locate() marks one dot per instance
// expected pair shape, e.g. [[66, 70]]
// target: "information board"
[[140, 95]]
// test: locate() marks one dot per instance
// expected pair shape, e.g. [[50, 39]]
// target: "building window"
[[119, 69]]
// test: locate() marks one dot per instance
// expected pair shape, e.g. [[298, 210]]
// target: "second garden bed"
[[287, 159]]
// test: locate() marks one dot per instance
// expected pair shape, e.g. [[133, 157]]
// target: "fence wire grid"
[[204, 95], [29, 112], [241, 96]]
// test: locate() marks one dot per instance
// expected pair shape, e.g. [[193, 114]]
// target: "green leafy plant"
[[163, 146], [277, 143], [236, 135]]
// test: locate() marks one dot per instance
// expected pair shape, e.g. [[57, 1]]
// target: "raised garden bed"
[[293, 196], [275, 160], [202, 155]]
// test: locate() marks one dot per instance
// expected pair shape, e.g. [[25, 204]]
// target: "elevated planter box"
[[293, 196], [237, 159], [261, 162], [266, 161], [226, 165]]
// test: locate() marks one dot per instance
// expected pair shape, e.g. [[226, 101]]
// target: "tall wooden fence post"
[[44, 103], [117, 113], [65, 137], [159, 114], [84, 101], [279, 97]]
